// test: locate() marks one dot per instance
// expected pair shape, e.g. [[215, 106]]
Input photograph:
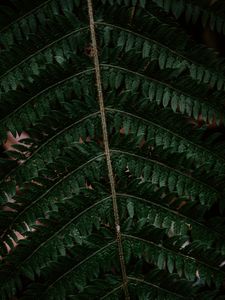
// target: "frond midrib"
[[116, 151], [106, 66], [83, 212], [52, 138]]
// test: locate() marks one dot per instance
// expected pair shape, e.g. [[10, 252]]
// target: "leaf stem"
[[107, 151]]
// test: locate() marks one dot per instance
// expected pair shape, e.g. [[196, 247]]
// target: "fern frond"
[[143, 288], [213, 16], [59, 51], [34, 208], [166, 95], [88, 267], [36, 107], [159, 40], [40, 159], [161, 256], [49, 150], [161, 175], [160, 216], [72, 231], [118, 191], [159, 134], [20, 27]]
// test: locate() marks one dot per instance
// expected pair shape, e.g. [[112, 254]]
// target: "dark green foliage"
[[169, 170]]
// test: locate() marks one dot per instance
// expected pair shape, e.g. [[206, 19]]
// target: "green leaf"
[[130, 208], [161, 261]]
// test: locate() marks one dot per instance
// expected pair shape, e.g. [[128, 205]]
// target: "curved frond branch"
[[52, 139], [42, 196], [62, 229], [112, 291], [214, 156], [201, 186], [31, 12], [198, 262], [200, 228], [71, 270], [142, 281], [46, 90], [193, 65], [26, 60], [29, 21], [217, 109], [213, 16]]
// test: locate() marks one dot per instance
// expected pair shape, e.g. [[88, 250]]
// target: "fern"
[[118, 193], [213, 16]]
